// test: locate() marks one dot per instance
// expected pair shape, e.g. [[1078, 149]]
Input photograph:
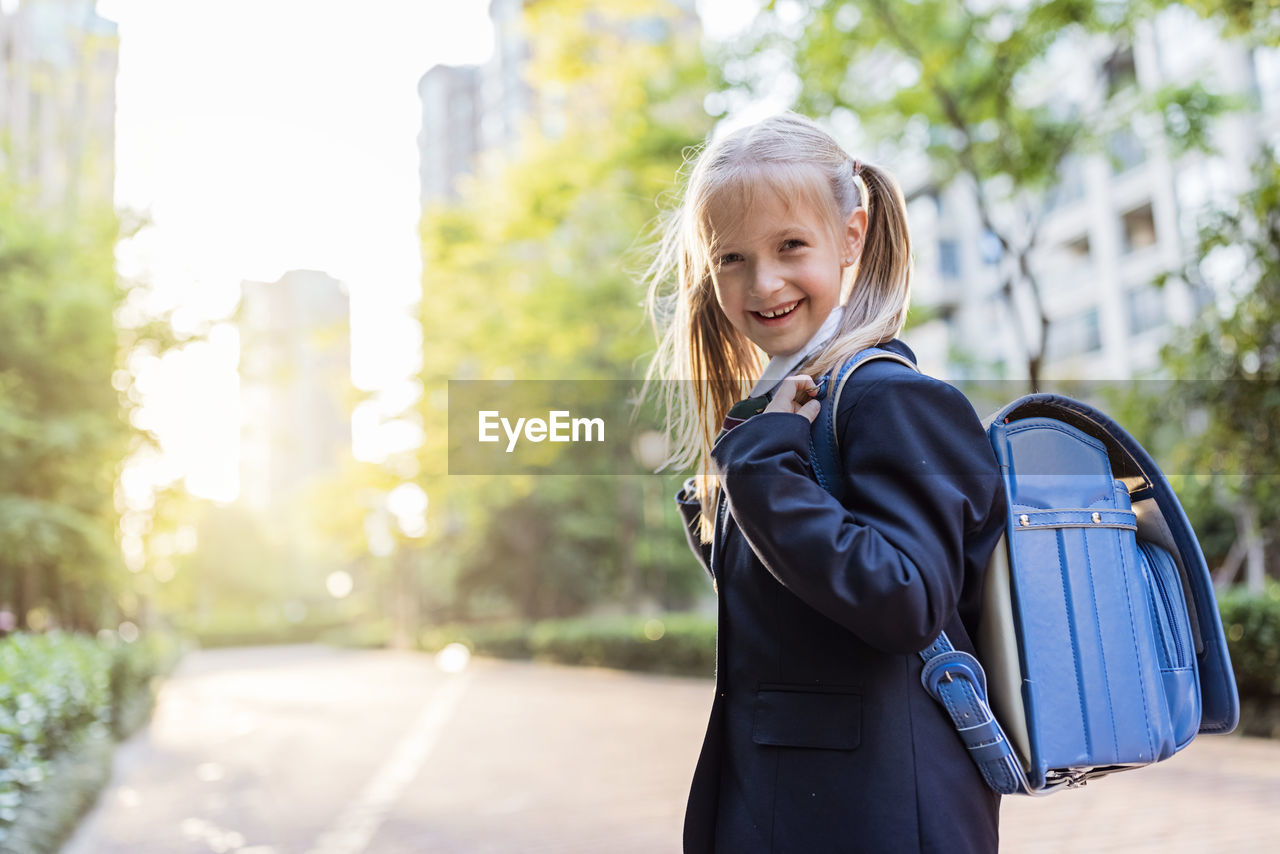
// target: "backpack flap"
[[1160, 522], [1092, 686]]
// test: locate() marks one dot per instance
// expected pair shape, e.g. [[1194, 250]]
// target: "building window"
[[1070, 186], [1138, 227], [1125, 150], [1074, 335], [949, 259], [1146, 308], [1077, 250], [1266, 77], [992, 251], [1119, 70]]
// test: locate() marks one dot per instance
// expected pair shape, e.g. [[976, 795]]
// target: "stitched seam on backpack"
[[1088, 416], [1007, 783], [1003, 781], [1164, 643], [817, 469], [969, 695], [1054, 526], [1091, 442], [1066, 598], [1167, 645], [1102, 648], [1133, 633]]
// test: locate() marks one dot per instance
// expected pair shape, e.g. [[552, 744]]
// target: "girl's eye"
[[729, 258], [793, 243]]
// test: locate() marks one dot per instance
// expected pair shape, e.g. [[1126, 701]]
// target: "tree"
[[1257, 21], [527, 277], [63, 432], [1227, 367], [976, 89]]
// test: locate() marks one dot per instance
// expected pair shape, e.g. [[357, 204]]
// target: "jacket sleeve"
[[690, 511], [919, 475]]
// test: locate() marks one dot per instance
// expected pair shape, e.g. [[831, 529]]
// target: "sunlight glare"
[[453, 658]]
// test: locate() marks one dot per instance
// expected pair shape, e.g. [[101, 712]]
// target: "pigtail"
[[884, 268], [875, 307], [703, 365]]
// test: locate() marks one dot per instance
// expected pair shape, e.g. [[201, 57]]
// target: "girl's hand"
[[795, 394]]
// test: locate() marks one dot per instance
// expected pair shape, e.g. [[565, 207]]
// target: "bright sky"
[[264, 136]]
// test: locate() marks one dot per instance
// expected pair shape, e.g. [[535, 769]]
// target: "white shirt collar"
[[780, 367]]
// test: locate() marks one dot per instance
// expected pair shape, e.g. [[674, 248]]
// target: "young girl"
[[821, 736]]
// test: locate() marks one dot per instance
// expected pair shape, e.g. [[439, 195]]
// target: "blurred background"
[[244, 247]]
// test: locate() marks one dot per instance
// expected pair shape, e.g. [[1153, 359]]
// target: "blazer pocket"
[[802, 717]]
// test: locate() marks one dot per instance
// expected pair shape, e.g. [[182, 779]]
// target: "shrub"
[[1252, 625], [671, 643], [64, 696], [367, 634], [507, 639], [53, 688], [233, 631]]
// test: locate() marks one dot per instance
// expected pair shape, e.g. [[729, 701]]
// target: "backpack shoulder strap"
[[824, 441], [952, 677]]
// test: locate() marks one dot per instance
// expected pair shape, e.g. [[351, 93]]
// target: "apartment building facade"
[[1118, 218]]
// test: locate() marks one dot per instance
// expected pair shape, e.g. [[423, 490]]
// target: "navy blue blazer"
[[821, 737]]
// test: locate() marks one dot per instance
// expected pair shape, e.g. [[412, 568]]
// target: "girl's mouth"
[[780, 314]]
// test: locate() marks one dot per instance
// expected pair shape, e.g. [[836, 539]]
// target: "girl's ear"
[[854, 233]]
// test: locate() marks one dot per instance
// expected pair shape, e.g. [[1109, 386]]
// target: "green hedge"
[[1252, 625], [53, 688], [685, 643], [670, 643], [360, 634], [64, 696], [248, 632]]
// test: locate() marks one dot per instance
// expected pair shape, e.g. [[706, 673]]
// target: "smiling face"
[[778, 265]]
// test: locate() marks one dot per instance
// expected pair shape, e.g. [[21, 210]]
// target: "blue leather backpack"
[[1101, 648]]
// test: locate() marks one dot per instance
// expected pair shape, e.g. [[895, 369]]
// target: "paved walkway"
[[1221, 794], [319, 751]]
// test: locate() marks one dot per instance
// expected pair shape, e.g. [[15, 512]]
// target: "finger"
[[810, 410], [803, 396], [806, 389]]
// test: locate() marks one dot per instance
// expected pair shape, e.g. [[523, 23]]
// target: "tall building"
[[471, 109], [58, 61], [295, 370], [1117, 219], [450, 135], [506, 98], [468, 111]]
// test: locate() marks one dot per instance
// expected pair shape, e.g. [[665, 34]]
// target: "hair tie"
[[857, 167]]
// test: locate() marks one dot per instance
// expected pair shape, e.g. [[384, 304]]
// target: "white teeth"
[[780, 311]]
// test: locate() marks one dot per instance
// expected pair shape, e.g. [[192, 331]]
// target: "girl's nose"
[[767, 280]]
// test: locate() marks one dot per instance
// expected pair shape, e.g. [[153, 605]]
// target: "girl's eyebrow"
[[791, 231], [779, 234], [786, 231]]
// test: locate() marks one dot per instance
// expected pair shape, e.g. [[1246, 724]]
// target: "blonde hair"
[[703, 363]]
